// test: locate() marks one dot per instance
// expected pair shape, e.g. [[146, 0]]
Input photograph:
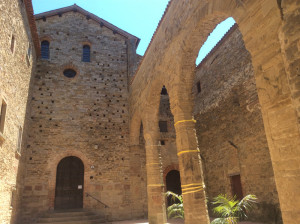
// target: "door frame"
[[78, 166], [54, 160]]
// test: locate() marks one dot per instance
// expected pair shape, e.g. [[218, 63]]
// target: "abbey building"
[[91, 132]]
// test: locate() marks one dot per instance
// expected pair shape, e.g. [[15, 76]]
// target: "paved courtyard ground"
[[176, 221]]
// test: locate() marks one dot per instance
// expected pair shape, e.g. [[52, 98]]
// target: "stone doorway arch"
[[69, 183], [173, 184]]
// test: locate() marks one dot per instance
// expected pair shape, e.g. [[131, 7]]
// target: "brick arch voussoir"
[[52, 169], [168, 169], [204, 20]]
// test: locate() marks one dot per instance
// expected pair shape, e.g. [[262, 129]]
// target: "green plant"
[[232, 210], [175, 210]]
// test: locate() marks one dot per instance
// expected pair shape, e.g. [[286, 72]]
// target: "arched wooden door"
[[69, 183], [173, 184]]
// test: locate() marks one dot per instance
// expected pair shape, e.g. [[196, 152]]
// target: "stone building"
[[19, 48], [229, 129], [235, 154], [87, 124], [79, 111]]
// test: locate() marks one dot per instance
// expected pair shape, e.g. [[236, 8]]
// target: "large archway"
[[69, 183], [170, 60]]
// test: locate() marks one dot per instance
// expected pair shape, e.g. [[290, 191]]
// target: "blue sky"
[[138, 17]]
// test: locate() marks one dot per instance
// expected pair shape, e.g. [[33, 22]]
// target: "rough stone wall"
[[15, 73], [170, 60], [86, 116], [230, 129], [168, 150], [141, 172]]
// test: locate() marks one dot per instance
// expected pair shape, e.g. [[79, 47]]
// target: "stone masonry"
[[237, 113], [230, 129], [270, 31], [85, 116], [17, 60]]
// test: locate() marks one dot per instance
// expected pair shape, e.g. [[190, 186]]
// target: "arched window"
[[86, 53], [164, 91], [45, 49]]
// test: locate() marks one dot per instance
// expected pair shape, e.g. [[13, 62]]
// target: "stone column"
[[275, 58], [155, 186], [193, 188], [286, 152], [136, 185]]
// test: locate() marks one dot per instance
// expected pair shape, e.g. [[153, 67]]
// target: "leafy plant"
[[232, 210], [175, 210]]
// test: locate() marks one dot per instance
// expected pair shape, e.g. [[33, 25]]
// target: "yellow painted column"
[[193, 188]]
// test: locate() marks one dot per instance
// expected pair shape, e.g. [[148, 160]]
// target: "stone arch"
[[52, 169], [69, 176], [168, 169], [173, 51], [212, 13], [47, 38], [86, 43]]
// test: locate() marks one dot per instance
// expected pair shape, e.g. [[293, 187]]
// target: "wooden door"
[[69, 184], [236, 186]]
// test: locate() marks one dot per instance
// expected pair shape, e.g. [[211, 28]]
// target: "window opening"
[[164, 91], [69, 73], [2, 116], [45, 49], [199, 87], [163, 126], [86, 53], [12, 44], [19, 145]]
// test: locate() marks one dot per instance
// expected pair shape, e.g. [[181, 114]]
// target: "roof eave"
[[32, 25], [101, 21]]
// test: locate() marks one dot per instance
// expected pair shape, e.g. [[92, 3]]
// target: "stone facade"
[[85, 116], [246, 111], [16, 64]]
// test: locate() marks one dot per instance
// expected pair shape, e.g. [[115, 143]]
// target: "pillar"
[[155, 185], [193, 188], [137, 186], [273, 46]]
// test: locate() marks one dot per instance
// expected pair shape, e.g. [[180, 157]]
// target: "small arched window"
[[45, 49], [164, 91], [86, 53]]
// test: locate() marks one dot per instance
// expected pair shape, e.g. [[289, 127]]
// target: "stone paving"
[[173, 221]]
